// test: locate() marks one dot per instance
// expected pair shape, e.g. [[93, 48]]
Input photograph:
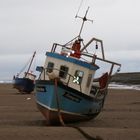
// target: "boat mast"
[[84, 19], [30, 64]]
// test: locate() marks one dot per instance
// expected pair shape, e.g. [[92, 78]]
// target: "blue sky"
[[29, 25]]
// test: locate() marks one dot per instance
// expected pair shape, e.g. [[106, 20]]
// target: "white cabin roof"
[[73, 60]]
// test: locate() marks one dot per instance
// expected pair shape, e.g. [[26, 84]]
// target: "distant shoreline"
[[132, 78], [112, 85]]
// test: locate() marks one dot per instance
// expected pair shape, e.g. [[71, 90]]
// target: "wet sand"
[[21, 120]]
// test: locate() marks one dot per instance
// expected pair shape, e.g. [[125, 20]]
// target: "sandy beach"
[[21, 120]]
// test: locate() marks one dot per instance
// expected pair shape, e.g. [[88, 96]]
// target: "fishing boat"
[[67, 89], [26, 83]]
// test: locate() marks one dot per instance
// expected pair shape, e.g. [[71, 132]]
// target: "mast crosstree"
[[84, 19]]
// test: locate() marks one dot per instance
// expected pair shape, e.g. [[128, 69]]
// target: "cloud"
[[29, 25]]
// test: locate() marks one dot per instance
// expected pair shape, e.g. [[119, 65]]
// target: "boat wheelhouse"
[[71, 71]]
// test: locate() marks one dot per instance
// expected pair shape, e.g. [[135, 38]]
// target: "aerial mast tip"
[[84, 19]]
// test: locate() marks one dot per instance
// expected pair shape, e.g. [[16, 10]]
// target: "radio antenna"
[[84, 19], [79, 8]]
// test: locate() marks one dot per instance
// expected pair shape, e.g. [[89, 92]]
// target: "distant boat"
[[67, 90], [26, 83]]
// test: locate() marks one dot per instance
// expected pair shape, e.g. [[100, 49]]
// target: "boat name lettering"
[[72, 97], [40, 89]]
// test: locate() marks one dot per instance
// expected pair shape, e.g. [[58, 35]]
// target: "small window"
[[78, 77], [63, 72], [50, 67]]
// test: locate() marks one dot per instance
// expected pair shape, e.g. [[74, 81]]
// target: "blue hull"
[[73, 105], [23, 85]]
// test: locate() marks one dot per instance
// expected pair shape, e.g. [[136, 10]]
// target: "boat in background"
[[66, 90], [26, 83]]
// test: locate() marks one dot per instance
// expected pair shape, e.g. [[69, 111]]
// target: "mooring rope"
[[58, 105], [87, 136]]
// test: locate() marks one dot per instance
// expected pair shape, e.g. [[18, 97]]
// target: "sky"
[[34, 25]]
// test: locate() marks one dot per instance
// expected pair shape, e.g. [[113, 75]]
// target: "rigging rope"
[[24, 67], [28, 62]]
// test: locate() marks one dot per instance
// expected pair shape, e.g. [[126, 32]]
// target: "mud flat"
[[21, 120]]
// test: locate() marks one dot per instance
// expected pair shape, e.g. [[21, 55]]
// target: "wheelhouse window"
[[63, 72], [78, 77], [50, 67]]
